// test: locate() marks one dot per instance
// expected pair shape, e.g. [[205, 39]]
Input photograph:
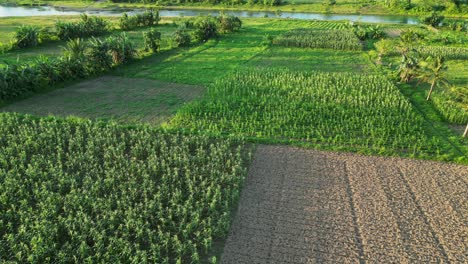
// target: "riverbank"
[[344, 8]]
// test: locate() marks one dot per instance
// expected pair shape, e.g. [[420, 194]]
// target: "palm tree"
[[75, 48], [466, 131], [434, 72]]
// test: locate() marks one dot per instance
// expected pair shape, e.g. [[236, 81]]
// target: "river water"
[[6, 11]]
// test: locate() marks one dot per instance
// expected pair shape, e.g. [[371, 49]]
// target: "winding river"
[[6, 11]]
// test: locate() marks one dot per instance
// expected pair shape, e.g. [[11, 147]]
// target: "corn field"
[[337, 109], [454, 107], [81, 192], [310, 38], [454, 53]]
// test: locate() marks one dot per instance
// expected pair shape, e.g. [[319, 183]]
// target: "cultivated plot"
[[122, 99], [307, 206]]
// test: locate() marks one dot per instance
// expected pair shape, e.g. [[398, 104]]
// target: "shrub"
[[205, 28], [128, 22], [88, 26], [26, 36], [147, 19], [181, 38], [434, 19], [75, 48], [120, 48], [99, 58], [152, 40], [228, 23]]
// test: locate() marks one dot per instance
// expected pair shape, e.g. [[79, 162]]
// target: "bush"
[[121, 49], [152, 40], [205, 28], [75, 48], [80, 60], [368, 32], [181, 38], [433, 20], [98, 55], [128, 22], [87, 27], [228, 23], [148, 19], [27, 36]]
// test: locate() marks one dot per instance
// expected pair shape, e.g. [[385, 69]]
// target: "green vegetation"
[[365, 113], [124, 100], [87, 27], [148, 19], [109, 189], [307, 38], [77, 191]]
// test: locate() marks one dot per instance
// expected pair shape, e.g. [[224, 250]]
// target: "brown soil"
[[308, 206]]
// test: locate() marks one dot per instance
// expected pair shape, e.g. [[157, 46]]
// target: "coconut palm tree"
[[433, 71]]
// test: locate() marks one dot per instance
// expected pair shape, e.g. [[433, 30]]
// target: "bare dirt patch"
[[308, 206], [122, 99]]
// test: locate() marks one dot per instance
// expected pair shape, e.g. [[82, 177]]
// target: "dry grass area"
[[122, 99], [308, 206]]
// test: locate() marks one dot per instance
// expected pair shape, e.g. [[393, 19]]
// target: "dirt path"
[[307, 206]]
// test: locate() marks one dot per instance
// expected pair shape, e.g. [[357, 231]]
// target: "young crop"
[[454, 53], [311, 38], [77, 191], [453, 105], [365, 113]]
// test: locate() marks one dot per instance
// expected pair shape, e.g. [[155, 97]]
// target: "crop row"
[[81, 192], [452, 105], [337, 109], [310, 38], [327, 25], [454, 53]]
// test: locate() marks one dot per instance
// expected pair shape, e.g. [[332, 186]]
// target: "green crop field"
[[129, 139], [77, 191]]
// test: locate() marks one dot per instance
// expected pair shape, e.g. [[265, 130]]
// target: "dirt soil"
[[308, 206], [130, 100]]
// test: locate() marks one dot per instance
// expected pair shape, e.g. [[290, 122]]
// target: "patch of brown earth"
[[308, 206]]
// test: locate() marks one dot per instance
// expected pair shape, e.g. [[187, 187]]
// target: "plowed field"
[[308, 206]]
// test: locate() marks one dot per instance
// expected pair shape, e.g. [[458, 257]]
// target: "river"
[[7, 11]]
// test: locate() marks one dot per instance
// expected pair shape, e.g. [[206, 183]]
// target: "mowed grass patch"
[[313, 59], [203, 63], [117, 98], [206, 62], [340, 111]]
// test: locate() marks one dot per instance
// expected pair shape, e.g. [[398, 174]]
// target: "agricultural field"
[[126, 100], [215, 139], [78, 191], [308, 206]]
